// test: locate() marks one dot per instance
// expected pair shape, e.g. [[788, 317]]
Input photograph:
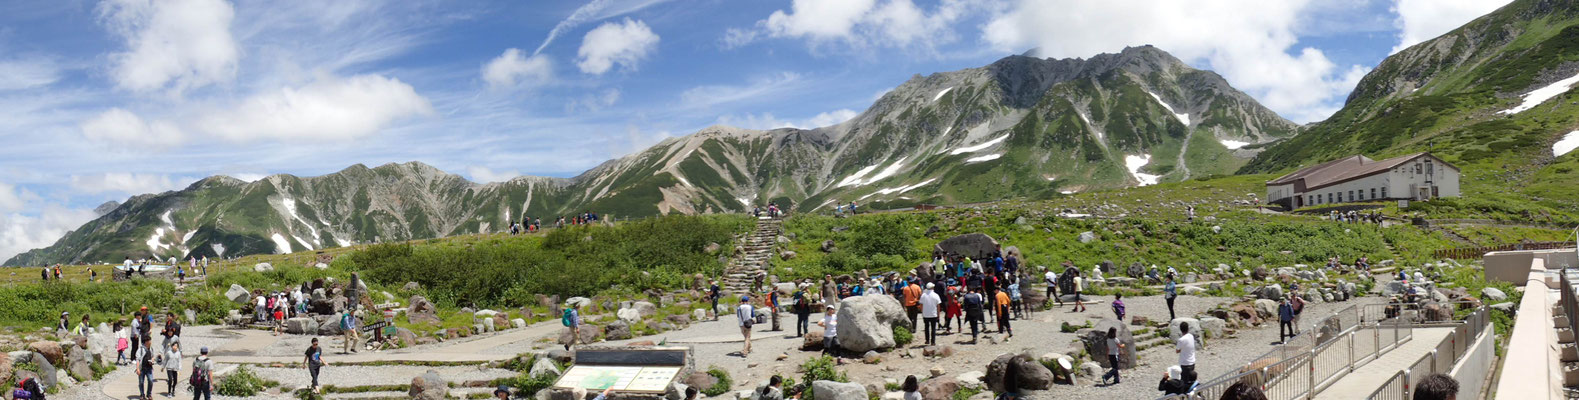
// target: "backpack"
[[569, 318], [345, 321], [198, 377]]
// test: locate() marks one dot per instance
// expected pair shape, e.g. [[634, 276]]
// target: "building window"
[[1329, 197], [1384, 191], [1373, 193], [1351, 195]]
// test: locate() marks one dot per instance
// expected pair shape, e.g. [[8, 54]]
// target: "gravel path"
[[376, 376]]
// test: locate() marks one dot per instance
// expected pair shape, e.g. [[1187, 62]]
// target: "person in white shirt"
[[929, 313], [830, 331], [1186, 349], [1051, 279], [747, 316], [262, 309]]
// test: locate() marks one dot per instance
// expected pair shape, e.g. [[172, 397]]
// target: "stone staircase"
[[753, 258]]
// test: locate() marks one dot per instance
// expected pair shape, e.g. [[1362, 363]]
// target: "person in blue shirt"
[[1285, 318], [1169, 293]]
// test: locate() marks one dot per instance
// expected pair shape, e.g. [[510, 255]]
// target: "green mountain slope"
[[1467, 97]]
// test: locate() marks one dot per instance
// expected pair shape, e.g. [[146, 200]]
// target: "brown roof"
[[1343, 170]]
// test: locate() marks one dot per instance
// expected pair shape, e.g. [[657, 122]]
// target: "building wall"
[[1398, 182], [1411, 174], [1279, 192], [1351, 191]]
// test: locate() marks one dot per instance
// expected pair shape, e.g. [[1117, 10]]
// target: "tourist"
[[65, 322], [1170, 292], [279, 319], [1176, 381], [830, 330], [136, 332], [973, 313], [171, 361], [802, 308], [350, 327], [122, 337], [1015, 299], [1051, 279], [1118, 306], [43, 275], [1298, 306], [502, 393], [929, 313], [605, 394], [830, 291], [1243, 391], [1113, 349], [202, 377], [747, 316], [1436, 387], [691, 393], [145, 369], [572, 321], [180, 275], [913, 302], [773, 391], [1080, 305], [93, 275], [911, 388], [82, 328], [772, 300], [713, 294], [1003, 315], [261, 309], [953, 314], [28, 389], [1185, 347], [1285, 318], [313, 362], [989, 284], [171, 332]]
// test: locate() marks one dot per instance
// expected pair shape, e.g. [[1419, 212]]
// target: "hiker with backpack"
[[351, 328], [747, 316], [973, 304], [28, 389], [714, 294], [202, 377], [571, 319], [802, 312], [313, 361], [145, 369]]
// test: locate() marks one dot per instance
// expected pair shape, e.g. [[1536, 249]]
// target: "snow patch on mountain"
[[978, 147], [988, 157], [941, 93], [1567, 144], [154, 244], [281, 246], [290, 207], [903, 189], [1234, 144], [1538, 96], [1094, 129], [887, 172], [187, 237], [1185, 118], [1134, 163], [856, 179]]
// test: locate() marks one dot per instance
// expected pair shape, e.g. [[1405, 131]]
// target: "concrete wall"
[[1473, 370], [1514, 266], [1531, 369]]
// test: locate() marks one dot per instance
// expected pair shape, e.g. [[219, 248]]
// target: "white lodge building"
[[1419, 177]]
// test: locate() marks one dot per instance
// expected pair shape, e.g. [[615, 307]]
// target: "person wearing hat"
[[830, 331], [502, 393], [747, 316], [202, 376], [929, 312], [65, 322], [802, 307]]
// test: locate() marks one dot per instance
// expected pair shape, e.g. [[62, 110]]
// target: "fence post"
[[1310, 391], [1351, 351]]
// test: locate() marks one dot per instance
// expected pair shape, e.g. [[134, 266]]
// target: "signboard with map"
[[627, 370]]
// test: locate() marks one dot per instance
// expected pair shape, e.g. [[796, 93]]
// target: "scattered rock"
[[1090, 369], [1271, 292], [1260, 273], [263, 267], [428, 386], [1087, 237], [618, 330], [972, 379], [968, 245], [543, 367], [1493, 294], [871, 357], [564, 356], [301, 326], [421, 311], [51, 351], [830, 390], [700, 380], [238, 294], [812, 341], [1266, 309], [867, 322], [1506, 306], [80, 363], [828, 246], [1029, 373], [1095, 341], [1213, 327]]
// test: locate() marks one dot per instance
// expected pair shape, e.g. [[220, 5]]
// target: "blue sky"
[[104, 99]]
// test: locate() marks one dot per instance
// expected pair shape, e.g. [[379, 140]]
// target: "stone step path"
[[757, 251]]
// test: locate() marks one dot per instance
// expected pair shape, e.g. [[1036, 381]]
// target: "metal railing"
[[1396, 388], [1568, 301], [1441, 359], [1290, 378]]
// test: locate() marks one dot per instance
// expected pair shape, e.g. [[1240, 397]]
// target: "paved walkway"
[[1366, 379]]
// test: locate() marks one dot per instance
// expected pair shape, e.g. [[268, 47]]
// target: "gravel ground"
[[194, 338], [380, 375]]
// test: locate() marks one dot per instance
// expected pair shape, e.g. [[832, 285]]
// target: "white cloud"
[[1422, 20], [859, 22], [625, 43], [27, 73], [1250, 42], [117, 126], [768, 121], [180, 43], [595, 10], [9, 199], [592, 102], [328, 108], [710, 95], [486, 175], [124, 182], [514, 66], [20, 233]]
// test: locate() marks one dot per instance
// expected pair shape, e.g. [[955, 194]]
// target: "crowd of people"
[[528, 224], [1374, 217]]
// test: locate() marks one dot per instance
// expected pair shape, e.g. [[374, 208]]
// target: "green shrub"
[[723, 385], [821, 368], [240, 383], [902, 336], [965, 393]]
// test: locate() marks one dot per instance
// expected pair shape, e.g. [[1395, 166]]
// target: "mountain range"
[[1491, 97]]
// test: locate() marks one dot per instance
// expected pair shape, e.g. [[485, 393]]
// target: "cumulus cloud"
[[328, 108], [594, 10], [485, 175], [624, 43], [857, 22], [123, 182], [1422, 20], [179, 44], [515, 66], [1250, 42], [117, 126], [20, 233]]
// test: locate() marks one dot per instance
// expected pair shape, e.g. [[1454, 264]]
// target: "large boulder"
[[578, 302], [589, 333], [238, 294], [1086, 237], [939, 388], [1136, 270], [50, 350], [1260, 273], [1492, 294], [830, 390], [46, 370], [1174, 332], [1095, 341], [329, 326], [700, 380], [1266, 309], [812, 341], [263, 267], [1437, 312], [1271, 292], [1029, 374], [974, 245], [301, 326], [421, 311], [406, 336], [1212, 327], [628, 315], [79, 362], [646, 309], [544, 367], [618, 330], [428, 386], [867, 322]]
